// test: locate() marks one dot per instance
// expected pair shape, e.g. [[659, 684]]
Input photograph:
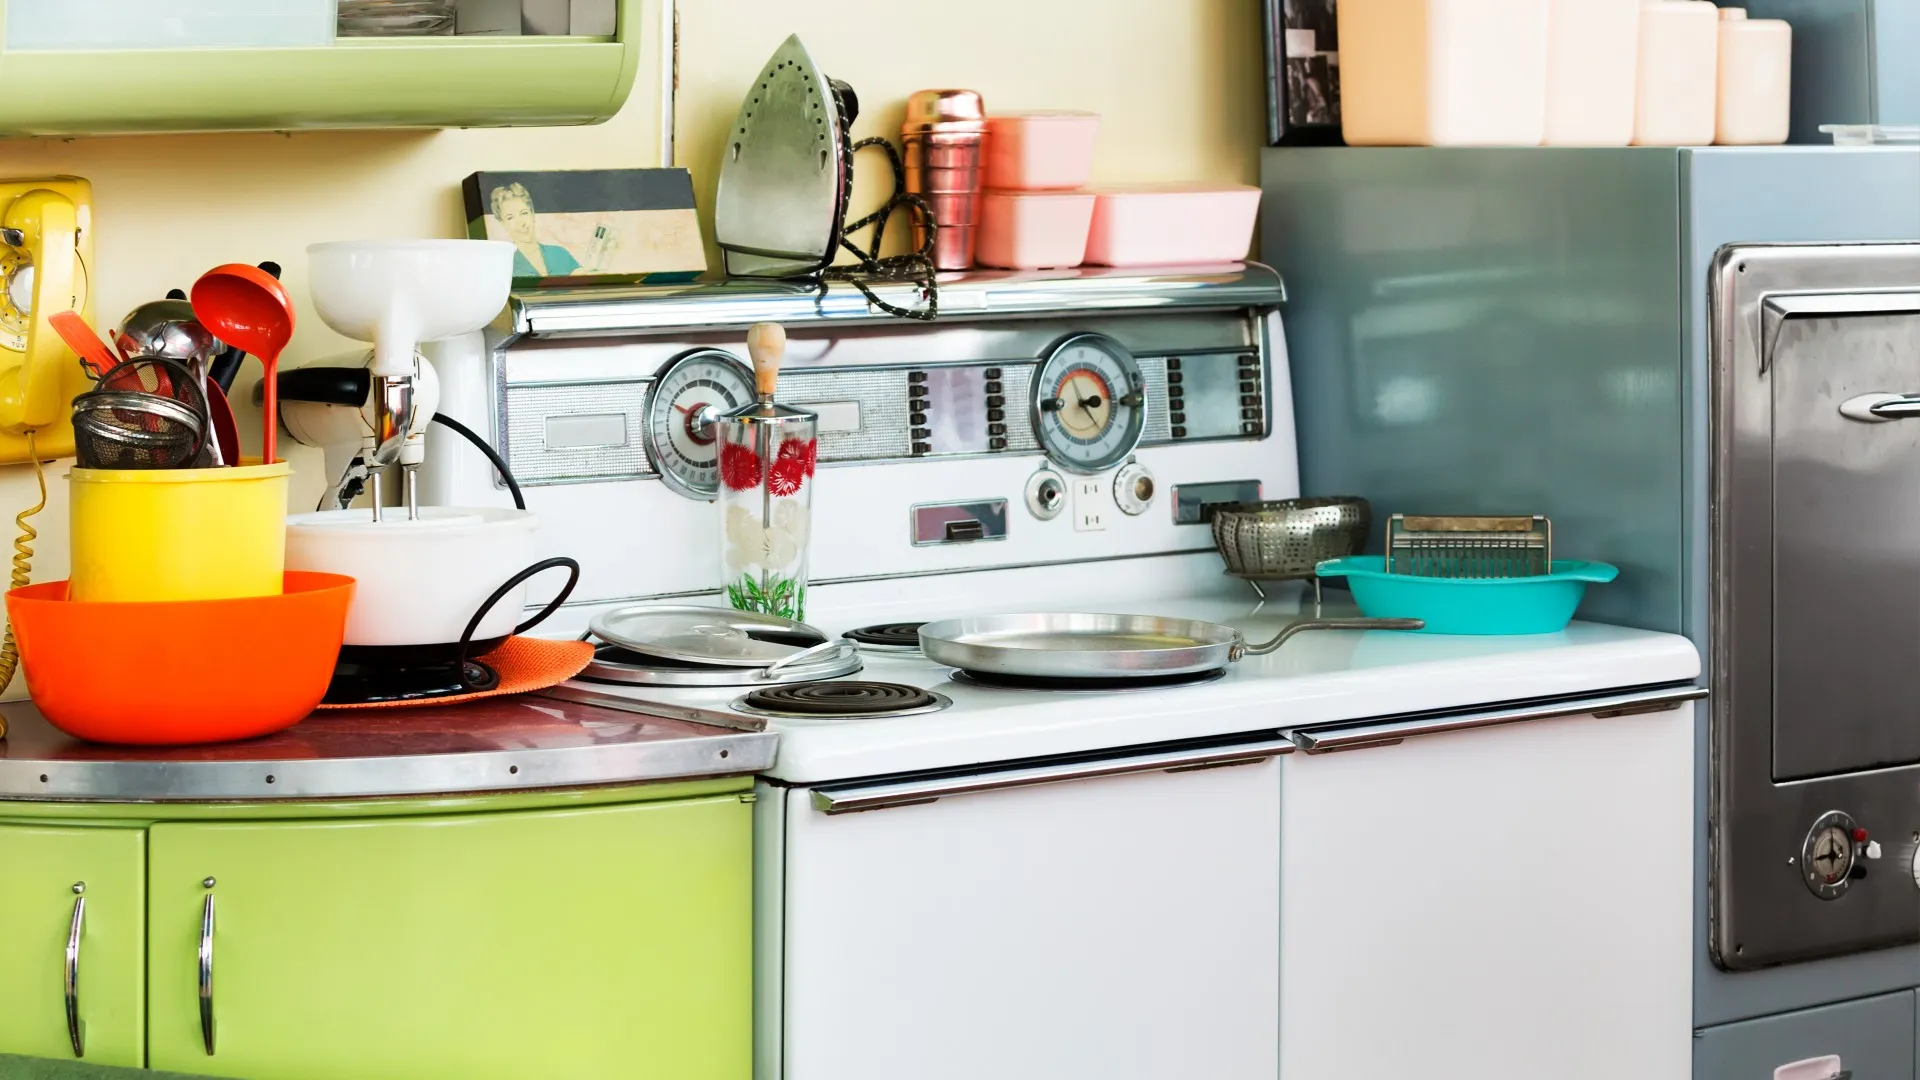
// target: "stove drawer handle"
[[1391, 732], [886, 796], [205, 958]]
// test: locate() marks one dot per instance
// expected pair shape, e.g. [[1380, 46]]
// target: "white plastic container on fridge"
[[1756, 79], [1593, 60], [1679, 75], [1443, 72], [166, 24]]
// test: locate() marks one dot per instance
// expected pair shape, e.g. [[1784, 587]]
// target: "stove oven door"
[[1816, 605], [1116, 918]]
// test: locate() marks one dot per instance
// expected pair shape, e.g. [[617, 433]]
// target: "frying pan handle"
[[473, 624], [1243, 649]]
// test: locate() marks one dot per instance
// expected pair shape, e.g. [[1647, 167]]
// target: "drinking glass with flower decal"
[[767, 454]]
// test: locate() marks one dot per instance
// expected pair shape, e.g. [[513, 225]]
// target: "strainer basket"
[[1284, 540]]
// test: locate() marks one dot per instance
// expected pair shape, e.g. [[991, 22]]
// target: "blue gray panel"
[[1493, 331], [1476, 329], [1873, 1038], [1854, 62]]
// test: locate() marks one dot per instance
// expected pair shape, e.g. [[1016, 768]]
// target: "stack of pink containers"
[[1037, 212]]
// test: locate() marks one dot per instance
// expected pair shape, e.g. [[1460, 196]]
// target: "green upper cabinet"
[[606, 942], [72, 900], [418, 82]]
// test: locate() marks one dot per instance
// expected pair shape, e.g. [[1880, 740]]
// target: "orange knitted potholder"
[[525, 664]]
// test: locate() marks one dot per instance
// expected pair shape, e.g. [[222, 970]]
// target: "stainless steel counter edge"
[[715, 717], [1388, 732], [549, 313], [702, 757]]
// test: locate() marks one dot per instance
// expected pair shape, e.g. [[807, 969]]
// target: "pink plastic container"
[[1164, 224], [1033, 230], [1040, 151]]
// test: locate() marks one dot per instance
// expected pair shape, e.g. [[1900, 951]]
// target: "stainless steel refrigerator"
[[1568, 332]]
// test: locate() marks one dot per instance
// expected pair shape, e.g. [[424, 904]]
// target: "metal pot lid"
[[705, 635], [659, 671]]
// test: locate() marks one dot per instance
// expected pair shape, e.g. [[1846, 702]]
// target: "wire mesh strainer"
[[147, 413], [1284, 540]]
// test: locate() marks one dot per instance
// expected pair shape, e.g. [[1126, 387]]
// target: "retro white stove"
[[1179, 881]]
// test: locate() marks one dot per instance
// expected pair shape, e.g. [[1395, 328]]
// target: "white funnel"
[[398, 293]]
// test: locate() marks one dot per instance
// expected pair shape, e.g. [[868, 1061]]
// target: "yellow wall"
[[1176, 81]]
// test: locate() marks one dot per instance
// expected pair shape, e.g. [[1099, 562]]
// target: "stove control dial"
[[1133, 489], [1828, 856], [1046, 494]]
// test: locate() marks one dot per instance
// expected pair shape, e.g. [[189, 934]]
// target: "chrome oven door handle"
[[206, 969], [1881, 408], [76, 1031]]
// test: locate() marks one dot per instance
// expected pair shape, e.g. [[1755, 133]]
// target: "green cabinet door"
[[610, 942], [48, 875]]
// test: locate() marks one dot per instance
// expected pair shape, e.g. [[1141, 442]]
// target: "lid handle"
[[767, 344]]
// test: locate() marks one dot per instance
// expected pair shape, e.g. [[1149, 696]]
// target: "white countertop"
[[1316, 679]]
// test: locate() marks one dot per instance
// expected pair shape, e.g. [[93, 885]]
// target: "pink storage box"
[[1033, 230], [1164, 224], [1040, 151]]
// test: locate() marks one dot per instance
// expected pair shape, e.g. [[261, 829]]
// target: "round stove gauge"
[[1089, 403], [683, 409], [1827, 855]]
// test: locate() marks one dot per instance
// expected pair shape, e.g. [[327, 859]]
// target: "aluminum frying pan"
[[1074, 646]]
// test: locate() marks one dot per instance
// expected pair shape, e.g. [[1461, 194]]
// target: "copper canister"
[[945, 136]]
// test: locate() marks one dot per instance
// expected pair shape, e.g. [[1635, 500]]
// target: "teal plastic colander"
[[1521, 605]]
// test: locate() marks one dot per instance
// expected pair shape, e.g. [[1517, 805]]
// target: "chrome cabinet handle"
[[71, 982], [860, 797], [206, 967], [1392, 732], [1880, 408]]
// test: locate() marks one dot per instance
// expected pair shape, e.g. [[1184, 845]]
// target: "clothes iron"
[[785, 173]]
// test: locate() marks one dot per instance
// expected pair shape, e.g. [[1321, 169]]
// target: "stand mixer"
[[394, 294], [443, 586]]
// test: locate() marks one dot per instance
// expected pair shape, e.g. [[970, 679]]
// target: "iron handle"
[[76, 1032], [206, 968], [1389, 733], [1241, 649], [886, 796]]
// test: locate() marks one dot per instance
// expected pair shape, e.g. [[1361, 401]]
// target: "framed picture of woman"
[[590, 225]]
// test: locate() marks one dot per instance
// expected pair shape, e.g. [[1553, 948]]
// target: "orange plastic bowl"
[[180, 672]]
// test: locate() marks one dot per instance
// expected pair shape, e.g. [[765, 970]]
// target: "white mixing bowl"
[[420, 581]]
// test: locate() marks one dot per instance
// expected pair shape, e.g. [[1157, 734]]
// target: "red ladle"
[[249, 309]]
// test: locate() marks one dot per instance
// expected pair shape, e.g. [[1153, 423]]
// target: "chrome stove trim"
[[654, 309]]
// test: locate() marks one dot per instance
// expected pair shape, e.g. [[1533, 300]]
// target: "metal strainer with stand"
[[1285, 540]]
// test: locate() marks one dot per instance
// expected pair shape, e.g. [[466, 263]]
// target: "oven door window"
[[1846, 571]]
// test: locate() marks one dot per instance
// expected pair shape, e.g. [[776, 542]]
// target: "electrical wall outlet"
[[1091, 502]]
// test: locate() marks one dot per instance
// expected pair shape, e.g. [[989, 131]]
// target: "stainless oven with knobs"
[[1815, 814]]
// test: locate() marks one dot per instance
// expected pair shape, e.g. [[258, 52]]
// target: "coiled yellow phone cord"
[[22, 570]]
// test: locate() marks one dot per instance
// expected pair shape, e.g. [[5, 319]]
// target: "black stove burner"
[[1084, 686], [358, 683], [845, 697], [903, 635]]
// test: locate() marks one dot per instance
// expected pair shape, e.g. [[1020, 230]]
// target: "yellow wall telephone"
[[46, 254]]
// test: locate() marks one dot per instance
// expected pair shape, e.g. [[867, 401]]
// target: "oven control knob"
[[1133, 489], [1046, 494], [1828, 856]]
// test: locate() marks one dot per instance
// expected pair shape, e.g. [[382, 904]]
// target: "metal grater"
[[1469, 547]]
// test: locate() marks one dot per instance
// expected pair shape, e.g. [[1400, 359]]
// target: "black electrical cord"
[[480, 444]]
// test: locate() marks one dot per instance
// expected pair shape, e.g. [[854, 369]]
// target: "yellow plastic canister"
[[143, 535]]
